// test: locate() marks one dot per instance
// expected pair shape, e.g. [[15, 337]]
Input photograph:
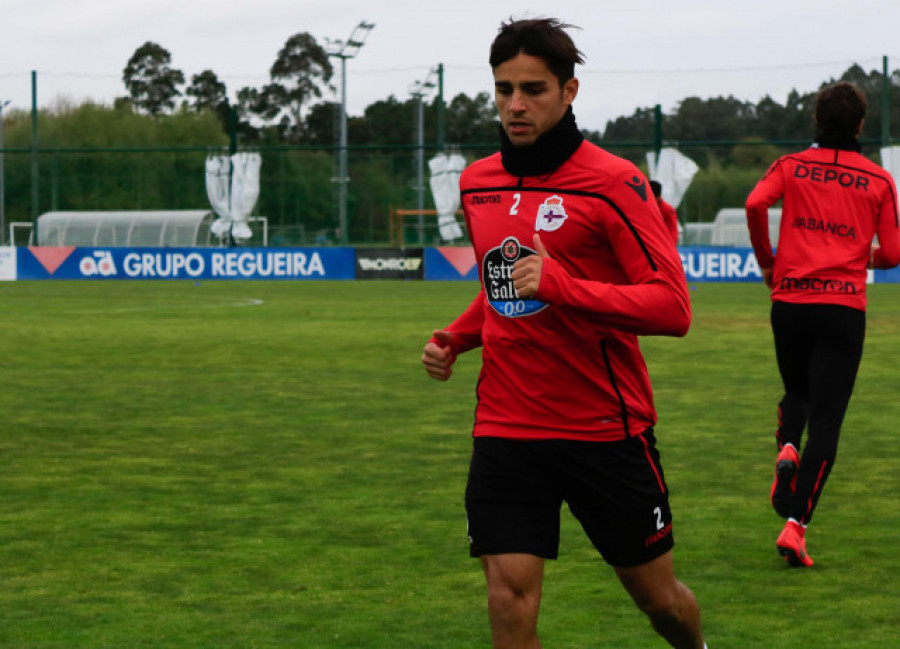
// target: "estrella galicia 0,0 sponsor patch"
[[497, 268]]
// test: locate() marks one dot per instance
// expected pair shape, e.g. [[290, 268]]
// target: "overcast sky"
[[638, 54]]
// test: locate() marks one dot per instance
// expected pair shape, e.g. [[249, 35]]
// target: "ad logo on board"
[[390, 263], [100, 263]]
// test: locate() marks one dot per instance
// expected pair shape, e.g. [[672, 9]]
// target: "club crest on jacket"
[[551, 214]]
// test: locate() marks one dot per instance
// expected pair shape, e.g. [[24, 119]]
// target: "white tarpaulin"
[[218, 175], [244, 191], [232, 184], [890, 160], [445, 171], [674, 171]]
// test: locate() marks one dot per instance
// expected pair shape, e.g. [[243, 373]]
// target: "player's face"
[[529, 99]]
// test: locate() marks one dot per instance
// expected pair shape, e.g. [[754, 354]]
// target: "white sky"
[[638, 53]]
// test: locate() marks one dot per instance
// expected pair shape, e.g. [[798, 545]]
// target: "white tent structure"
[[730, 227], [232, 185], [151, 228], [444, 181], [697, 234]]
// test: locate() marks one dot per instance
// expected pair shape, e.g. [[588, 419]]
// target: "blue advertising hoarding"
[[452, 263], [46, 262], [887, 275], [703, 264]]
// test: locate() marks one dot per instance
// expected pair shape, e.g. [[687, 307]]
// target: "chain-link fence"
[[299, 189]]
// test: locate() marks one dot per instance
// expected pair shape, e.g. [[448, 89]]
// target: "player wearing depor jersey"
[[575, 262], [835, 200]]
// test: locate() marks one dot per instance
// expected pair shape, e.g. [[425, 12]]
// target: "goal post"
[[400, 219], [26, 238]]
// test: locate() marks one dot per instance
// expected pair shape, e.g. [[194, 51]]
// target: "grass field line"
[[204, 302]]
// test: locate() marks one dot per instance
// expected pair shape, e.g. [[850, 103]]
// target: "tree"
[[255, 107], [297, 76], [755, 153], [152, 84], [873, 84], [208, 92], [769, 116], [639, 126], [716, 118], [388, 121], [798, 117], [321, 124], [471, 120]]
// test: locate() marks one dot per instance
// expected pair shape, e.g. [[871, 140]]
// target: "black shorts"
[[616, 490]]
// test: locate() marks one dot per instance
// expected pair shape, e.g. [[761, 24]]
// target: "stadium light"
[[3, 104], [419, 90], [344, 50]]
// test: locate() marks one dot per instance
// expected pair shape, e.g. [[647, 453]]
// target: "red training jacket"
[[834, 202], [567, 364], [670, 216]]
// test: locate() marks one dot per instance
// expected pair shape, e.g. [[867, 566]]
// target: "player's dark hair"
[[544, 38], [840, 108], [656, 188]]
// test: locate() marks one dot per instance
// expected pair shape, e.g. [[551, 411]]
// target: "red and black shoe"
[[791, 545], [785, 483]]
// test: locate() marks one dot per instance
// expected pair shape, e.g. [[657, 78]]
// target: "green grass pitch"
[[265, 464]]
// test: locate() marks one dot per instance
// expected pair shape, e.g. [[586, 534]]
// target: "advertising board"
[[47, 262], [389, 263]]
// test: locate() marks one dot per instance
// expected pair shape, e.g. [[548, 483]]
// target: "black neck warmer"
[[547, 153], [838, 143]]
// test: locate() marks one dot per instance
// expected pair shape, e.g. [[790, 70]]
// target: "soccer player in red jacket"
[[669, 214], [835, 200], [575, 262]]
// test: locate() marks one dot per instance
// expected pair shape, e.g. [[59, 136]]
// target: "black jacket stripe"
[[615, 387], [574, 192]]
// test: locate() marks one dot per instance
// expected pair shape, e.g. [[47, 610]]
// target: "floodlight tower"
[[344, 50], [419, 90], [3, 104]]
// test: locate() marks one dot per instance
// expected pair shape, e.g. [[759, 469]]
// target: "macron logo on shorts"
[[659, 536]]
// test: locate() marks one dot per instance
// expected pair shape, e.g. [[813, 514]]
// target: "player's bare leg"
[[514, 599], [670, 605]]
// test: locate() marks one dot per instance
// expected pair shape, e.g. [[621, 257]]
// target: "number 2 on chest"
[[515, 206]]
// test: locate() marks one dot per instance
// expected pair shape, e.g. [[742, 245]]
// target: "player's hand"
[[767, 276], [526, 273], [438, 358], [871, 262]]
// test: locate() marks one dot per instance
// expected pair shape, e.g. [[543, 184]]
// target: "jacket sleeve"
[[767, 192], [466, 328], [651, 308], [887, 255], [650, 297]]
